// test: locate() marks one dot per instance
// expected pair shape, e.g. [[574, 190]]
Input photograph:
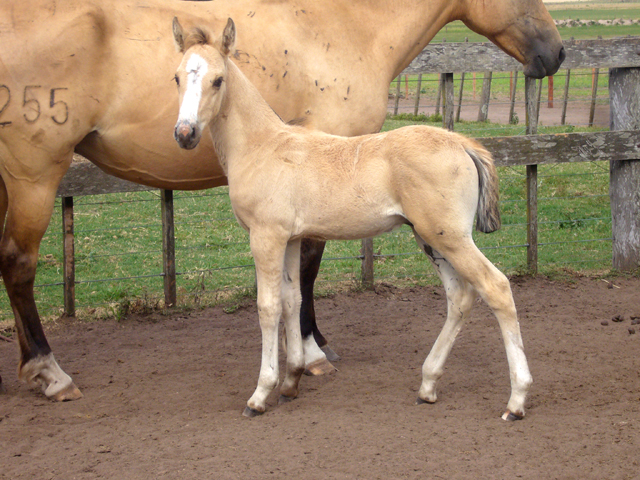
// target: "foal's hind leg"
[[291, 300], [493, 286], [460, 298], [317, 352], [29, 207]]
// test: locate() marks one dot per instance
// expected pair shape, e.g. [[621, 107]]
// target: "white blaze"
[[196, 70]]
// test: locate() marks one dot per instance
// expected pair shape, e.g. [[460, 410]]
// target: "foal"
[[286, 183]]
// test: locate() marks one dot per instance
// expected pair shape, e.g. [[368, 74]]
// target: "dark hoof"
[[511, 417], [331, 355], [251, 412], [422, 401], [285, 399]]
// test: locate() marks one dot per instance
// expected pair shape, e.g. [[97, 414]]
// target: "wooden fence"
[[620, 146]]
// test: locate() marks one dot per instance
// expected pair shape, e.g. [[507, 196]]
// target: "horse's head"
[[201, 79], [522, 28]]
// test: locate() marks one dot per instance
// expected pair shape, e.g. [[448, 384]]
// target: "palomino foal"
[[287, 183]]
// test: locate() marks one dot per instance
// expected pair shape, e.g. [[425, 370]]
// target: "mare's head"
[[201, 79], [522, 28]]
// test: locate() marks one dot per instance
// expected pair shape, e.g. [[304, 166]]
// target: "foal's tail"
[[488, 217]]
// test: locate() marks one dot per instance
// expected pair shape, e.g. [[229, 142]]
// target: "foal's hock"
[[287, 183]]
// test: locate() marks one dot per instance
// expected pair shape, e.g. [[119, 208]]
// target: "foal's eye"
[[217, 82], [177, 80]]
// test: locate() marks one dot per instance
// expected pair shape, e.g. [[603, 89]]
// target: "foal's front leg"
[[268, 254]]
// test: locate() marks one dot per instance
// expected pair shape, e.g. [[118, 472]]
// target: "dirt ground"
[[577, 111], [164, 394]]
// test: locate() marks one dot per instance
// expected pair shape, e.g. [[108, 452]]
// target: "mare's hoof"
[[511, 416], [251, 412], [67, 394], [422, 401], [285, 399], [320, 367], [331, 355]]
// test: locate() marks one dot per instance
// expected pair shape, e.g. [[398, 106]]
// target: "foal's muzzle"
[[186, 135]]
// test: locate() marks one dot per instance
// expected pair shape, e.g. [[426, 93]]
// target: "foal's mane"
[[197, 36]]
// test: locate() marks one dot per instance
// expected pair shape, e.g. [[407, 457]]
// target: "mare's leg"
[[28, 201], [268, 254], [460, 298], [3, 215], [493, 286], [317, 352], [291, 300]]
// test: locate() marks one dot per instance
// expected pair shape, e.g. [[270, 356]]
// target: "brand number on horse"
[[32, 109]]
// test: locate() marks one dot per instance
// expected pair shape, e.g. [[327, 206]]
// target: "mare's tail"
[[488, 215]]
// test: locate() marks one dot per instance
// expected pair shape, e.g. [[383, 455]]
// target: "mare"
[[97, 81], [287, 183]]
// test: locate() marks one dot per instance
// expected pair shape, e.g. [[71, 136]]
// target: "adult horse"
[[94, 78]]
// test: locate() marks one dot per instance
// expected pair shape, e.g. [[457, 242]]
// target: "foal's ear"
[[178, 35], [228, 40]]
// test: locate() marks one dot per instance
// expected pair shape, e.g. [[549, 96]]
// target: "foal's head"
[[201, 79]]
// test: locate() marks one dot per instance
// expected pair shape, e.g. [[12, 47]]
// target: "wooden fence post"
[[69, 262], [483, 111], [460, 97], [563, 117], [512, 107], [466, 39], [439, 94], [594, 91], [532, 103], [624, 179], [366, 253], [419, 87], [447, 101], [550, 91], [168, 248], [397, 102]]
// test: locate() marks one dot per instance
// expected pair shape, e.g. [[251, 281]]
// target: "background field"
[[118, 237]]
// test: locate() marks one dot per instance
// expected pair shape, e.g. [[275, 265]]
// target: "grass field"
[[118, 237], [590, 11], [118, 244]]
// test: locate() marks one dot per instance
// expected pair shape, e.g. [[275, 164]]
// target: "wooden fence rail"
[[620, 147]]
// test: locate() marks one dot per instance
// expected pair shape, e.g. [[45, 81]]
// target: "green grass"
[[118, 237], [118, 244]]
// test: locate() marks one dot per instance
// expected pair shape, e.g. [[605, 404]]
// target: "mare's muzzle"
[[544, 63], [186, 135]]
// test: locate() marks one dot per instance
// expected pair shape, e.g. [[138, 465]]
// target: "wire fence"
[[118, 241]]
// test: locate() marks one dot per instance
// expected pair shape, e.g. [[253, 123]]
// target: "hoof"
[[320, 367], [422, 401], [285, 399], [251, 412], [331, 355], [67, 394], [512, 417]]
